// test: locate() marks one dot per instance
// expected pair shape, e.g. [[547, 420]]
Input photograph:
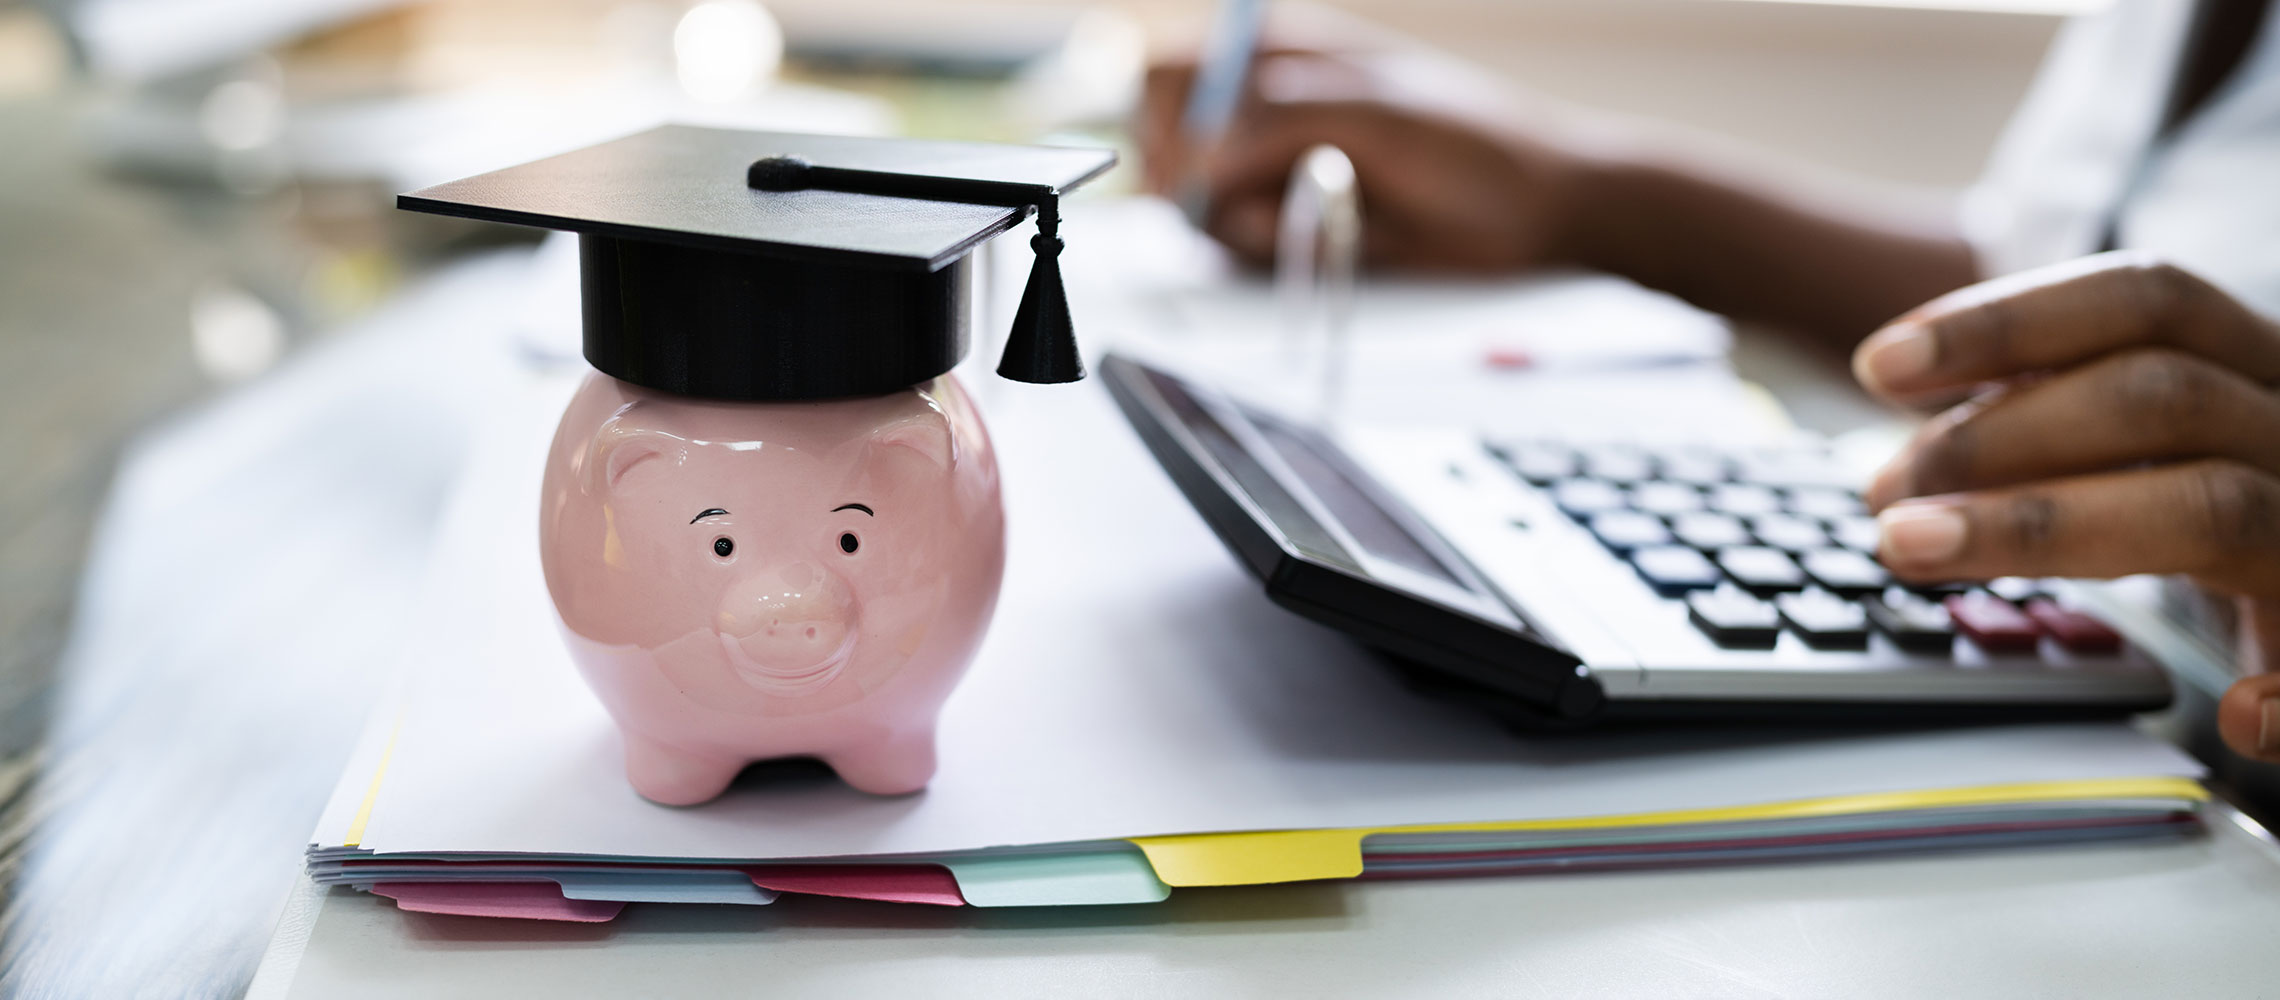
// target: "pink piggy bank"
[[741, 581]]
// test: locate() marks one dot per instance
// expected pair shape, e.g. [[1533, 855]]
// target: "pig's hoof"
[[672, 777], [897, 767]]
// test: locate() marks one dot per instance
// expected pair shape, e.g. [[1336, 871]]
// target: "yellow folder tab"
[[1255, 857], [355, 835], [2183, 789]]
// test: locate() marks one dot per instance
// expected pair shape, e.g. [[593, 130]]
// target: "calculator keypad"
[[1757, 543]]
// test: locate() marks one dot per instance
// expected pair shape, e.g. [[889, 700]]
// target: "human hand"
[[2123, 419], [1455, 174]]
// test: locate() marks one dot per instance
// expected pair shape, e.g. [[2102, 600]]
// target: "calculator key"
[[1789, 533], [1761, 569], [1694, 468], [1824, 620], [1709, 532], [1744, 500], [1617, 464], [1912, 622], [1856, 532], [1824, 503], [1673, 569], [1845, 571], [1997, 625], [1793, 468], [2015, 589], [2076, 631], [1538, 462], [1581, 498], [1666, 498], [1733, 618], [1624, 530]]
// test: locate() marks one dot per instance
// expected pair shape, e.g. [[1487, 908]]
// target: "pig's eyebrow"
[[706, 514], [852, 506]]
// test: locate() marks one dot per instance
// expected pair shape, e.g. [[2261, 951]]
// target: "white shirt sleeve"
[[2209, 198], [2082, 144], [2063, 162]]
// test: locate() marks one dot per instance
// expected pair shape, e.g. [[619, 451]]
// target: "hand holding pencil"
[[1452, 179]]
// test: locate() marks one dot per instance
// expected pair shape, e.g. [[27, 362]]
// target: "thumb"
[[2259, 640], [2249, 717]]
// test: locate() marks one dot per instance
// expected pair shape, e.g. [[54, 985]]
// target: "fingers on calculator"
[[1765, 541]]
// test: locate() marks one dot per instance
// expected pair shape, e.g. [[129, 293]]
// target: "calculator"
[[1566, 583]]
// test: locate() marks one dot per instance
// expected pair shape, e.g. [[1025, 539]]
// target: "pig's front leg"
[[898, 765], [669, 775]]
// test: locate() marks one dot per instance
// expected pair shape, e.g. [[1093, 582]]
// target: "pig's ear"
[[624, 455], [927, 434]]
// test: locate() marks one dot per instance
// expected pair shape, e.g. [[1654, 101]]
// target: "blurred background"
[[193, 191]]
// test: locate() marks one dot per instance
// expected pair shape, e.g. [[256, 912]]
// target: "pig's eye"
[[722, 547], [847, 543]]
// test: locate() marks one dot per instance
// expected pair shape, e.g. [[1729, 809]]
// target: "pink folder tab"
[[517, 900], [930, 884]]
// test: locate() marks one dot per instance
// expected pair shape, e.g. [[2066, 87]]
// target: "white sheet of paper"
[[1135, 682]]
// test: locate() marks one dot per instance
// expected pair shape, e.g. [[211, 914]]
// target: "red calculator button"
[[2073, 629], [1997, 625]]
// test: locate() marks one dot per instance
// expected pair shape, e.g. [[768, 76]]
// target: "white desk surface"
[[2191, 918]]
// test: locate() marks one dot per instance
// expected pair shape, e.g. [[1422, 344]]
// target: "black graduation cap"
[[770, 266]]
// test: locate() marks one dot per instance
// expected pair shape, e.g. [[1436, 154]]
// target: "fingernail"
[[1920, 534], [1898, 354], [2268, 726]]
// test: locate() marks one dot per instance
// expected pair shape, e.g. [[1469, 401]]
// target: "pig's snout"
[[788, 625]]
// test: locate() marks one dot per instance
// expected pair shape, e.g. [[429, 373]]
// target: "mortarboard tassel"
[[1043, 345], [1042, 348]]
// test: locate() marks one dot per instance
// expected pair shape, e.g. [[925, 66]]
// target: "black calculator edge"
[[1550, 680], [1527, 717]]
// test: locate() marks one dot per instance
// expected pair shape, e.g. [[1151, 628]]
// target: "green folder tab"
[[1086, 876]]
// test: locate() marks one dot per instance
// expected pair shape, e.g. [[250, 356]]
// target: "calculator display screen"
[[1367, 523]]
